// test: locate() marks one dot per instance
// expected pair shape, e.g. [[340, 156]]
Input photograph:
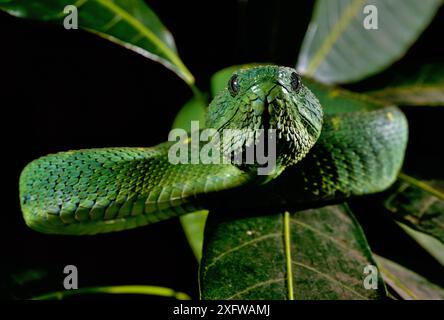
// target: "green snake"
[[320, 155]]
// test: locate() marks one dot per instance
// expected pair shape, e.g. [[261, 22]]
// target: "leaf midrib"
[[397, 282], [421, 185], [289, 265], [347, 15]]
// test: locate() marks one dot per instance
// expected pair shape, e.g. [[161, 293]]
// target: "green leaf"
[[430, 244], [193, 225], [132, 289], [337, 48], [423, 87], [130, 23], [311, 254], [418, 204], [193, 110], [406, 283]]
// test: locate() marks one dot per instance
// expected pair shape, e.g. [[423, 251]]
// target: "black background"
[[68, 89]]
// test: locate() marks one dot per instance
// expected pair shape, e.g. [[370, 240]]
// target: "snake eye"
[[233, 85], [295, 81]]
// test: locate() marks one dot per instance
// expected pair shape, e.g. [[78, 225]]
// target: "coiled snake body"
[[319, 157]]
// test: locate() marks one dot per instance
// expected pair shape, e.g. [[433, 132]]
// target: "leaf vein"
[[255, 286], [247, 243], [329, 278], [332, 37], [349, 249]]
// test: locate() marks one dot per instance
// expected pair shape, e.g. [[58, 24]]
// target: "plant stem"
[[130, 289]]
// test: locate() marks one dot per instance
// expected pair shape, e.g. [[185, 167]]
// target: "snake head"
[[268, 97]]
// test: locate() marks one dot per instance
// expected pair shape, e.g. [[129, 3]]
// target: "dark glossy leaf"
[[338, 48], [418, 204], [406, 283], [311, 254], [424, 87], [130, 23]]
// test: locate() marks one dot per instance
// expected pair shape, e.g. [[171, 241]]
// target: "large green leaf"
[[311, 254], [418, 204], [406, 283], [423, 87], [338, 48], [130, 23]]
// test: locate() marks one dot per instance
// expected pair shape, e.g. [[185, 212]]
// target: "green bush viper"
[[325, 157]]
